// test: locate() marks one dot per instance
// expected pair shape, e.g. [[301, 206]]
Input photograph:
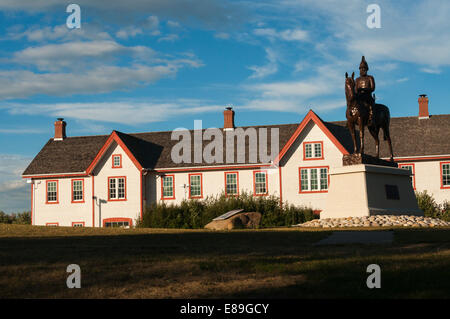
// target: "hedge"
[[196, 213]]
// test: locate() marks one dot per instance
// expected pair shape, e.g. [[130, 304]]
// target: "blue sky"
[[138, 66]]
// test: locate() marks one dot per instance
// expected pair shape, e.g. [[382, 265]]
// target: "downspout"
[[281, 187], [93, 202]]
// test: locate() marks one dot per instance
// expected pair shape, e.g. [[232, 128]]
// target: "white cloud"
[[211, 13], [270, 68], [169, 38], [20, 84], [72, 54], [129, 112], [285, 35], [222, 35], [14, 191]]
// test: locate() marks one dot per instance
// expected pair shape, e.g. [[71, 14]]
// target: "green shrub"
[[196, 214], [20, 218], [432, 209]]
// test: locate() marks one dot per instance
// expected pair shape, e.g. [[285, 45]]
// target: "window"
[[231, 184], [52, 192], [77, 191], [77, 224], [313, 179], [117, 161], [411, 168], [260, 183], [195, 186], [445, 175], [117, 222], [116, 188], [312, 150], [51, 224], [167, 187]]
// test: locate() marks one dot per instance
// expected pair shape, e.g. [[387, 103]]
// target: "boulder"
[[238, 221]]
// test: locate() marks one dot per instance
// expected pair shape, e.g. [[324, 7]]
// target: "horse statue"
[[358, 113]]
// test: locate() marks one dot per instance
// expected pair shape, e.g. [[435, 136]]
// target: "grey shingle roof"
[[410, 136]]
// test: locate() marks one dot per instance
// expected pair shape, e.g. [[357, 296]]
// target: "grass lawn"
[[269, 263]]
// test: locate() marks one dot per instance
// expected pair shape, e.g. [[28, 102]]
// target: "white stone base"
[[360, 190]]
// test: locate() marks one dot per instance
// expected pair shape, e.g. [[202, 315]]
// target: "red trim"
[[237, 182], [431, 158], [111, 138], [413, 172], [214, 168], [93, 203], [201, 185], [51, 224], [141, 190], [118, 219], [254, 183], [32, 191], [318, 180], [313, 150], [173, 187], [55, 176], [112, 160], [442, 175], [71, 186], [125, 184], [57, 192], [281, 187], [311, 116], [77, 223]]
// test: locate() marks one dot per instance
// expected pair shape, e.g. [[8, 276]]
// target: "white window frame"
[[313, 174]]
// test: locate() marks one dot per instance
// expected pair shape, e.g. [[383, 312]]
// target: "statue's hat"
[[363, 63]]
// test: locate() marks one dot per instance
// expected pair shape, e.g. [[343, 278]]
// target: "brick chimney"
[[60, 130], [423, 107], [228, 119]]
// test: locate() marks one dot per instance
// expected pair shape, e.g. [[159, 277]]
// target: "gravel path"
[[376, 221]]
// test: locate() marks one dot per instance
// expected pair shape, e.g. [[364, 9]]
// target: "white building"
[[105, 180]]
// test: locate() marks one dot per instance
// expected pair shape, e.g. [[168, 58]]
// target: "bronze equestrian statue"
[[363, 111]]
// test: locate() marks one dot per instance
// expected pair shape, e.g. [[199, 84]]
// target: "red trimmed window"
[[168, 187], [77, 191], [195, 186], [231, 183], [313, 151], [77, 224], [445, 175], [118, 222], [117, 161], [313, 179], [260, 182], [51, 192], [411, 168], [117, 188]]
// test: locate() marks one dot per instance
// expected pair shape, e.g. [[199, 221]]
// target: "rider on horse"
[[365, 85]]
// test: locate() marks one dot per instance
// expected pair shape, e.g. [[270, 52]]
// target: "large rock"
[[238, 221]]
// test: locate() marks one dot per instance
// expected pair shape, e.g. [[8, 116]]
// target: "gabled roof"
[[411, 137]]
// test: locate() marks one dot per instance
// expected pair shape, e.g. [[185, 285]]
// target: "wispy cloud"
[[270, 68]]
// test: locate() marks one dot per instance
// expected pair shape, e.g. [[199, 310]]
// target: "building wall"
[[213, 183], [427, 176], [64, 212], [105, 208], [294, 159]]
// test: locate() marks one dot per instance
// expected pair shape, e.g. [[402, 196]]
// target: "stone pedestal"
[[366, 189]]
